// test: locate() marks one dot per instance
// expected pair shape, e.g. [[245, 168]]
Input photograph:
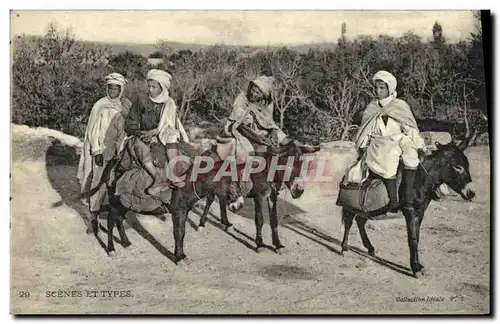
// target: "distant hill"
[[147, 49]]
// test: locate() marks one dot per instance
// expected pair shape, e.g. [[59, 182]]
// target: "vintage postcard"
[[250, 162]]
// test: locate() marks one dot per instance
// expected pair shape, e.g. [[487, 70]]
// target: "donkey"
[[449, 165], [263, 189], [181, 201]]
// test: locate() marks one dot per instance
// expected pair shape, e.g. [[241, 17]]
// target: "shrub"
[[55, 82], [319, 94]]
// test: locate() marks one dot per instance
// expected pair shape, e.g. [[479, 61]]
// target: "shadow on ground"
[[62, 164]]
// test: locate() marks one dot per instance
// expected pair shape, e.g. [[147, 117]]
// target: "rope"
[[194, 189]]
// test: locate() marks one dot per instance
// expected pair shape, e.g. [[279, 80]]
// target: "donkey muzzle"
[[237, 204], [297, 190], [467, 193]]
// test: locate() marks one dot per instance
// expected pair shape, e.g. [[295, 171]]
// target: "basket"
[[369, 196]]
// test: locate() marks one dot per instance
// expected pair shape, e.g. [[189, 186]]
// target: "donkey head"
[[296, 150], [234, 197], [456, 167]]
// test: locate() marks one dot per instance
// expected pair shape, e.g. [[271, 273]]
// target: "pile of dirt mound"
[[32, 143]]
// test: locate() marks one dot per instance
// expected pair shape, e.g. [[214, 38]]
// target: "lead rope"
[[286, 194], [194, 189], [423, 168]]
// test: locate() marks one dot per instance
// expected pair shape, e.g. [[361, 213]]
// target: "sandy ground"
[[51, 253]]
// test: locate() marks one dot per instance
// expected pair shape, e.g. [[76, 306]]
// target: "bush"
[[319, 94], [131, 65], [56, 81], [156, 54]]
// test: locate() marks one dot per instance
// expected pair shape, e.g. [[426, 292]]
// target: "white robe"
[[388, 143], [104, 135], [170, 128]]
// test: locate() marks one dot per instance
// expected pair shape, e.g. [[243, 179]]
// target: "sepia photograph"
[[250, 162]]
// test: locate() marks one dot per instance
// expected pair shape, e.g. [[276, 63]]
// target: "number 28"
[[24, 294]]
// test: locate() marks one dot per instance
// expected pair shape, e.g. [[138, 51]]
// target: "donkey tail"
[[345, 214]]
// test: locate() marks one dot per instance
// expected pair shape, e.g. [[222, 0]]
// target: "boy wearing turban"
[[252, 108], [156, 120], [104, 135], [389, 131]]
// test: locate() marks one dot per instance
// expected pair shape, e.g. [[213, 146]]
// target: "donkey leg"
[[273, 219], [179, 222], [259, 222], [121, 230], [361, 222], [112, 216], [420, 217], [223, 214], [411, 227], [93, 226], [347, 218], [203, 218]]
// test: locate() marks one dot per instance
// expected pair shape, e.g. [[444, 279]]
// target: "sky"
[[240, 27]]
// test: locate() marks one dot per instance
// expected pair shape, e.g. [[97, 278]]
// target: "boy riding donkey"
[[155, 133], [250, 129], [154, 130], [387, 133]]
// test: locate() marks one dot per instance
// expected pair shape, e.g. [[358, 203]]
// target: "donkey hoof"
[[260, 249], [200, 228], [94, 226], [371, 252], [281, 250], [183, 263], [422, 272], [228, 228], [126, 244], [112, 253]]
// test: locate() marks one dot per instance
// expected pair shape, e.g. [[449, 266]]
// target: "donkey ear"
[[465, 143], [467, 139]]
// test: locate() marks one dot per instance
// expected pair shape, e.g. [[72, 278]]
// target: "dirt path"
[[50, 252]]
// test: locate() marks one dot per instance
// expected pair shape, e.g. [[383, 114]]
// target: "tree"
[[63, 78], [335, 95], [221, 68], [343, 31], [475, 61], [430, 74], [162, 46], [156, 54], [132, 65], [410, 55], [188, 83], [286, 68], [437, 35], [319, 94]]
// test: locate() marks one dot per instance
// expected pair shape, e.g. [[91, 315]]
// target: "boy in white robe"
[[389, 131], [103, 137]]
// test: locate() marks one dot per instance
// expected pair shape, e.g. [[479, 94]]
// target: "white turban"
[[164, 79], [265, 84], [118, 79], [388, 79]]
